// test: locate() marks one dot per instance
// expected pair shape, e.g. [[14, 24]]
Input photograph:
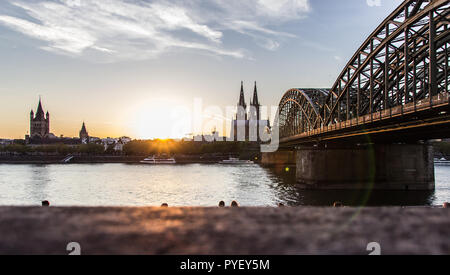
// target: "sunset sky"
[[135, 68]]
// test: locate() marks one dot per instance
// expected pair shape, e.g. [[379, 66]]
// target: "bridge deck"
[[439, 102]]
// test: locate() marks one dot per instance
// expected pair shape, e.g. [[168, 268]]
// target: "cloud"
[[373, 3], [265, 37], [132, 29]]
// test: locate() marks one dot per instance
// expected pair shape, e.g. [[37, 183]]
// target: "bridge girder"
[[403, 62], [300, 110]]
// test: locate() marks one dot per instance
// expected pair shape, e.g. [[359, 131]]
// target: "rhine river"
[[186, 185]]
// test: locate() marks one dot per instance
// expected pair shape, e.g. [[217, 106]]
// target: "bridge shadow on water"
[[289, 193]]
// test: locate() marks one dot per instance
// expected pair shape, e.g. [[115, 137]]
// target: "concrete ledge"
[[224, 231]]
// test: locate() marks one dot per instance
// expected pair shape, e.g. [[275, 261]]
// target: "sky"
[[146, 68]]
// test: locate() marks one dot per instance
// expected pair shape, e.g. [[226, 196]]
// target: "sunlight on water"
[[184, 185]]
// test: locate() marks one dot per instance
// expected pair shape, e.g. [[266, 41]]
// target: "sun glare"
[[161, 119]]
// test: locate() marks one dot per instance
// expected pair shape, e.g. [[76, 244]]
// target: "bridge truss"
[[402, 68]]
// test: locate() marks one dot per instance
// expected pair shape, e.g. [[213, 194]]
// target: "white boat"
[[158, 160], [441, 162], [235, 161]]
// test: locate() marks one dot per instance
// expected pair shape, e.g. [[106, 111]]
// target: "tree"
[[16, 148], [91, 149]]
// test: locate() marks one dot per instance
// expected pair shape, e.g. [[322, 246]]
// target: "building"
[[213, 137], [40, 130], [84, 135], [248, 126], [39, 124], [115, 144], [6, 142]]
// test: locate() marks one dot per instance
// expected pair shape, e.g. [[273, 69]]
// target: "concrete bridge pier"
[[374, 166], [279, 158]]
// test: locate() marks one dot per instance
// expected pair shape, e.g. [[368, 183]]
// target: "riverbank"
[[56, 159], [259, 231], [20, 159]]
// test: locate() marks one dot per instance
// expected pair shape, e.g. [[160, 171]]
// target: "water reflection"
[[288, 192], [187, 185], [38, 183]]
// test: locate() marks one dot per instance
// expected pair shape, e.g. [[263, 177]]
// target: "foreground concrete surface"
[[227, 231]]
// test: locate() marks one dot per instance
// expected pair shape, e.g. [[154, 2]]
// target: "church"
[[248, 125], [40, 130], [39, 123]]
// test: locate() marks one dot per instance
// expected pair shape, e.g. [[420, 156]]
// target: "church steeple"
[[40, 110], [83, 128], [255, 97], [242, 97], [84, 135], [242, 106]]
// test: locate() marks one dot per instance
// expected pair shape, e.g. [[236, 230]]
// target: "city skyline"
[[224, 127], [130, 95]]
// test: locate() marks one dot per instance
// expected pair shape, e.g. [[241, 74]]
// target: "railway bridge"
[[371, 129]]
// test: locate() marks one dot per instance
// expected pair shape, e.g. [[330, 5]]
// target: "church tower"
[[39, 123], [84, 135], [249, 126], [242, 106], [239, 127], [255, 106]]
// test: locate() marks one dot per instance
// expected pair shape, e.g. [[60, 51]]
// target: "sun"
[[160, 119]]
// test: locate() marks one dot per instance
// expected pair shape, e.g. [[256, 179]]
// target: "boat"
[[158, 160], [441, 162], [236, 161]]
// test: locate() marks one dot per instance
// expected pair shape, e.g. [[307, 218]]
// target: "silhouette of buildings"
[[40, 130], [214, 136], [248, 126]]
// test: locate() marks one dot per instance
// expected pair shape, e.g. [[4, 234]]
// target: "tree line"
[[156, 147], [60, 149], [171, 147], [133, 148]]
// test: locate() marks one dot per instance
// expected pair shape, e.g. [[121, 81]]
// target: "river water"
[[186, 185]]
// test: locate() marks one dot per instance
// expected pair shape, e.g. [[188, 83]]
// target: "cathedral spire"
[[255, 96], [242, 96]]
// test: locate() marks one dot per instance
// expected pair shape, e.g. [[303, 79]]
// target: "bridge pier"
[[279, 158], [379, 167]]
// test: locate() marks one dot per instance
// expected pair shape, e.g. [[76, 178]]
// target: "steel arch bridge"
[[398, 78]]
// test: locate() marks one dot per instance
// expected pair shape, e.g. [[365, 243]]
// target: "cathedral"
[[39, 123], [248, 126]]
